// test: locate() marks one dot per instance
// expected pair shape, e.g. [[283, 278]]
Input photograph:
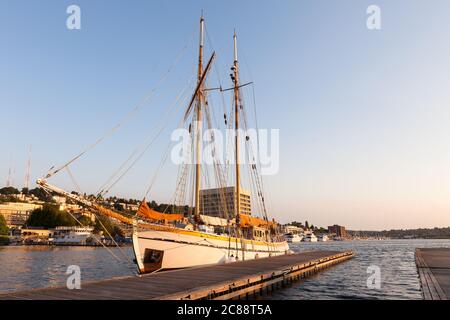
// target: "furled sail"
[[249, 221], [214, 221], [112, 214], [147, 212]]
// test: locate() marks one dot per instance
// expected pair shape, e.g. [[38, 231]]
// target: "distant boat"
[[311, 237], [323, 238], [293, 238], [72, 235]]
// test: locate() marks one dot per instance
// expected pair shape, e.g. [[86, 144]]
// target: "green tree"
[[3, 226], [40, 194], [85, 221], [102, 223], [9, 191], [3, 231], [49, 217]]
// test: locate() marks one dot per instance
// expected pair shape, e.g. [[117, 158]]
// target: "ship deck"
[[238, 280]]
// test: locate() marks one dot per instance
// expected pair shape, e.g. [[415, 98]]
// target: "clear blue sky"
[[364, 115]]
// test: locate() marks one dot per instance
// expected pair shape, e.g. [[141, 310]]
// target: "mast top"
[[202, 23]]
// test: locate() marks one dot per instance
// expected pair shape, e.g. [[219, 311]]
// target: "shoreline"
[[66, 245], [130, 244]]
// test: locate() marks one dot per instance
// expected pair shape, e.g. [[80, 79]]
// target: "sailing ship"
[[165, 241]]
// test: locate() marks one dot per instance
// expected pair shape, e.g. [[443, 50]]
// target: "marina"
[[221, 281], [241, 152]]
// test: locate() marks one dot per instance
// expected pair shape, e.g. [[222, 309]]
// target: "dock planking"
[[220, 281], [433, 265]]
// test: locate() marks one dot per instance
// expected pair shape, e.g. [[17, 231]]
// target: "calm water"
[[35, 267], [348, 280]]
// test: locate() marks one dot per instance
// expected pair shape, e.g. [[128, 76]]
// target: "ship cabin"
[[255, 233]]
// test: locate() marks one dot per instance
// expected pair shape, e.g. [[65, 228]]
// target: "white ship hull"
[[164, 250]]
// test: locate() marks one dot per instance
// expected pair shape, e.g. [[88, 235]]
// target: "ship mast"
[[198, 109], [235, 78]]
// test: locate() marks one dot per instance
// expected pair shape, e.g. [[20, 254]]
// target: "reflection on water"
[[32, 267]]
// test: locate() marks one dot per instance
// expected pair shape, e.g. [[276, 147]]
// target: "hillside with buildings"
[[421, 233], [36, 217]]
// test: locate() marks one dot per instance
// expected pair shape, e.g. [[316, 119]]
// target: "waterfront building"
[[212, 202], [127, 206], [17, 213], [339, 231], [293, 229], [35, 235]]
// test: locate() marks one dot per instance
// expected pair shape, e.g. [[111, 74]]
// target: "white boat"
[[310, 237], [322, 238], [293, 238], [165, 241], [72, 235]]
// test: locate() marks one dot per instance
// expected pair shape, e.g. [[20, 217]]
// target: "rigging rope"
[[95, 237], [128, 115], [96, 216], [150, 142]]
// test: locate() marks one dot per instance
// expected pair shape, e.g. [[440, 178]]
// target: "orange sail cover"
[[112, 214], [248, 221], [147, 212]]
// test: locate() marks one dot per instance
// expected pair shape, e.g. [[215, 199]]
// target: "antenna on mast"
[[235, 46], [8, 179], [27, 171]]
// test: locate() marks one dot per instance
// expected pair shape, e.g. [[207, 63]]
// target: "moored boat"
[[293, 238], [229, 231], [310, 237]]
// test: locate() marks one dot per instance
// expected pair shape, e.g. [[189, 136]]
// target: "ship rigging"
[[171, 240]]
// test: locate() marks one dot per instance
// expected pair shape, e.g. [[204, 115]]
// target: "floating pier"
[[433, 265], [238, 280]]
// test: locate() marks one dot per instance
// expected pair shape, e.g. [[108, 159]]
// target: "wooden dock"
[[238, 280], [433, 265]]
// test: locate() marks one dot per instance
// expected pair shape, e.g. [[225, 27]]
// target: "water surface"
[[29, 267], [348, 280]]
